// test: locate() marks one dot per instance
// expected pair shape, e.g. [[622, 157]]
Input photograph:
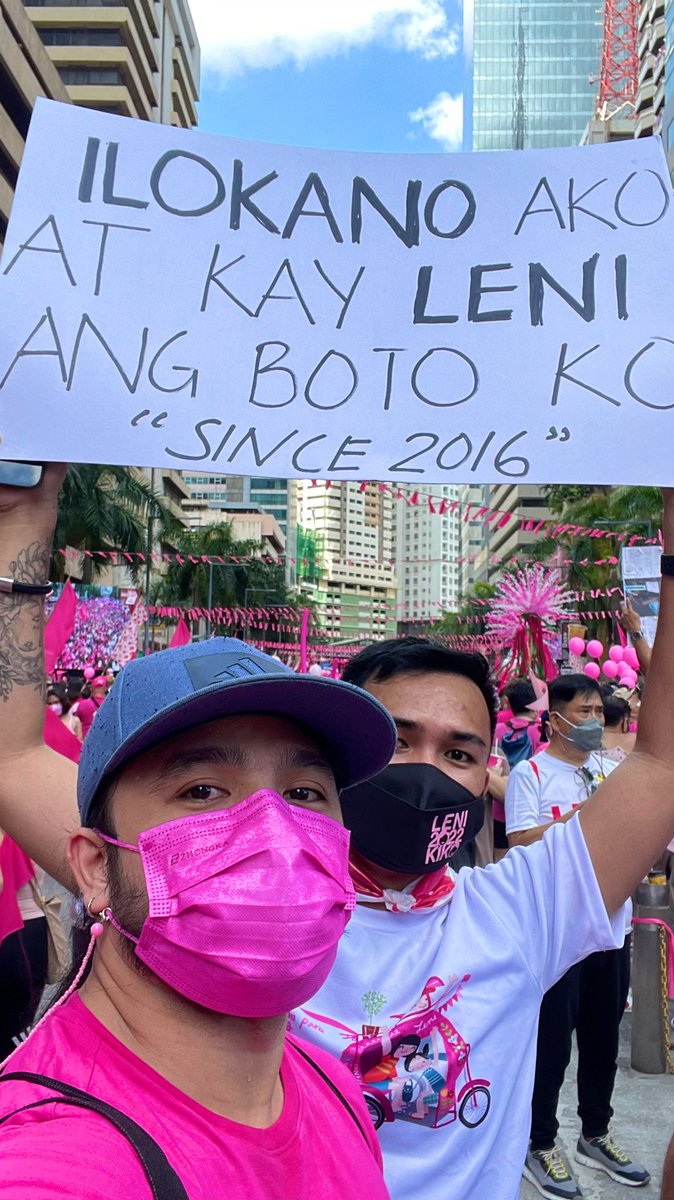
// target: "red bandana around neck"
[[429, 891]]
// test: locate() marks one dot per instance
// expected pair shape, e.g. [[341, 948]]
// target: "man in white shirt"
[[590, 997], [434, 997]]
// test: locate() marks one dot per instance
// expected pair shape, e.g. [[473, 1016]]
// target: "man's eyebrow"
[[454, 735], [289, 757], [215, 756]]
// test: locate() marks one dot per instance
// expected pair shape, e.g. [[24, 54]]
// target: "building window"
[[81, 37], [83, 76]]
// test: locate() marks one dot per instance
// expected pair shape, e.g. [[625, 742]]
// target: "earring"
[[103, 917]]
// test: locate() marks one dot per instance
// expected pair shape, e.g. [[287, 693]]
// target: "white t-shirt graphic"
[[436, 1013]]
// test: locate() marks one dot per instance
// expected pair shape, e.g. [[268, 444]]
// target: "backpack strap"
[[333, 1087], [164, 1182]]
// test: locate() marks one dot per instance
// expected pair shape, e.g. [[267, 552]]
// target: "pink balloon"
[[610, 669], [629, 680], [89, 672], [631, 658], [592, 669], [576, 645], [595, 649], [624, 668], [616, 654]]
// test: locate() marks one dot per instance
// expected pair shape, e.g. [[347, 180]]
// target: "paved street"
[[644, 1122]]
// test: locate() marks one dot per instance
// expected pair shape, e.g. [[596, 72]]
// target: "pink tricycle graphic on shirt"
[[417, 1069]]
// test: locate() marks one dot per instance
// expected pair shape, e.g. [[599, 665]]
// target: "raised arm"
[[630, 819], [37, 787], [631, 623]]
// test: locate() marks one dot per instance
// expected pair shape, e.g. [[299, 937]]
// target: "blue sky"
[[358, 74]]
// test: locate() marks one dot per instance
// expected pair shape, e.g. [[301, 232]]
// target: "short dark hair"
[[565, 688], [616, 708], [400, 656], [519, 694]]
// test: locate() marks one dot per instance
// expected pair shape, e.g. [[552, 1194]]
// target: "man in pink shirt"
[[213, 865], [86, 709]]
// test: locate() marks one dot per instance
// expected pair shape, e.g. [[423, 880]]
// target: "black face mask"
[[411, 818]]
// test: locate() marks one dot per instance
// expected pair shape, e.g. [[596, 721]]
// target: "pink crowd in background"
[[99, 624]]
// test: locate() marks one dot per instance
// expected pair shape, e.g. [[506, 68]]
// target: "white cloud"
[[442, 120], [236, 36]]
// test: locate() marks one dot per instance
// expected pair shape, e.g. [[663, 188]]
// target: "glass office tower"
[[535, 70]]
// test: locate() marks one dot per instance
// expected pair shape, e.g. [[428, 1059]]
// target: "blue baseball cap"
[[157, 697]]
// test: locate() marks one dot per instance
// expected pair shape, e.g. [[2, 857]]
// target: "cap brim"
[[356, 733]]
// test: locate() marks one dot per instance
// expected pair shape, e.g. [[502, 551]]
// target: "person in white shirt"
[[434, 996], [590, 997]]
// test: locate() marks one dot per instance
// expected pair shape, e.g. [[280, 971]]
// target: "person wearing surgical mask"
[[590, 998]]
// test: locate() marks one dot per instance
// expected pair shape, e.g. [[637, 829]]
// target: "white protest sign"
[[173, 298], [640, 568]]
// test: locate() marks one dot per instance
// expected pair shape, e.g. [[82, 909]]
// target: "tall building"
[[273, 496], [427, 550], [138, 58], [650, 105], [534, 64], [355, 588], [26, 73], [473, 537]]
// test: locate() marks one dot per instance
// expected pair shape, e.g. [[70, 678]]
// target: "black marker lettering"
[[621, 286], [156, 178], [267, 369], [344, 452], [296, 456], [445, 403], [88, 170], [130, 382], [562, 373], [346, 298], [421, 317], [642, 224], [251, 436], [199, 431], [193, 373], [541, 186], [467, 218], [391, 351], [213, 276], [628, 375], [407, 233], [574, 204], [24, 352], [538, 276], [331, 354], [57, 249], [105, 226], [477, 291], [286, 269], [313, 183], [109, 174], [241, 198]]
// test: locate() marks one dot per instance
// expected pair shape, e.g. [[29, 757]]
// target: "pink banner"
[[59, 627]]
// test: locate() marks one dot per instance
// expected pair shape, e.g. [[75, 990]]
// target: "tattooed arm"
[[37, 787]]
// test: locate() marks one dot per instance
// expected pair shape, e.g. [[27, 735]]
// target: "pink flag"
[[59, 627], [182, 635], [59, 738]]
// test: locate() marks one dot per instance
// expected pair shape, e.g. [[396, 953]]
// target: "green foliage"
[[105, 508]]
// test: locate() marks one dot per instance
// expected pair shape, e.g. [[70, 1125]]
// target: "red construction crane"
[[619, 60]]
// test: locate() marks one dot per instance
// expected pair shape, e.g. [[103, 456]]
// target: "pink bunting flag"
[[182, 635]]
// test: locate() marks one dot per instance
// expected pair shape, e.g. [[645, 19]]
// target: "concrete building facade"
[[427, 550], [26, 72], [355, 589], [650, 104], [138, 58]]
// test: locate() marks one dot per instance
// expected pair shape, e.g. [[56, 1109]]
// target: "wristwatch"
[[636, 635], [667, 564]]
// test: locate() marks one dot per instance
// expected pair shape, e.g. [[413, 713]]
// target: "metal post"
[[210, 599], [648, 1046], [148, 569]]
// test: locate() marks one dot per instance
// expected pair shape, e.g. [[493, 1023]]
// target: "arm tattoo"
[[21, 624]]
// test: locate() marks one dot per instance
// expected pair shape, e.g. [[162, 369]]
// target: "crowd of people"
[[99, 624], [267, 1001]]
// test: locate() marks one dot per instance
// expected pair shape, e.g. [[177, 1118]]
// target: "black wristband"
[[12, 587], [667, 564]]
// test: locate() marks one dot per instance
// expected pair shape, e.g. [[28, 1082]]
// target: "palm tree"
[[194, 581], [105, 508]]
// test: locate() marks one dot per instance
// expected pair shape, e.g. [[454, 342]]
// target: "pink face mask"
[[246, 904]]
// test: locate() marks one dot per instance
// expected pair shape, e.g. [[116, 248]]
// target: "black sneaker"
[[602, 1154], [551, 1175]]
